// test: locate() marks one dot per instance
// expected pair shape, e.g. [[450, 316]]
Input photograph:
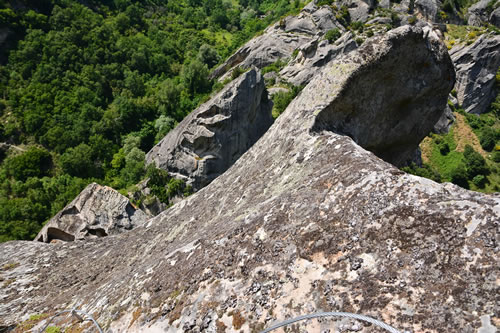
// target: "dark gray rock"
[[477, 13], [476, 66], [428, 8], [208, 141], [495, 17], [97, 211], [444, 123], [304, 221], [418, 95]]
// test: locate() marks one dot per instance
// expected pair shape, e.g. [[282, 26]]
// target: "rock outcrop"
[[391, 130], [313, 56], [476, 66], [483, 11], [304, 221], [495, 17], [210, 139], [280, 40], [97, 211]]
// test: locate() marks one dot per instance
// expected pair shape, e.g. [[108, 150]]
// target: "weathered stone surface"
[[313, 56], [210, 139], [281, 39], [393, 131], [444, 123], [428, 8], [477, 14], [495, 17], [305, 221], [476, 66], [97, 211]]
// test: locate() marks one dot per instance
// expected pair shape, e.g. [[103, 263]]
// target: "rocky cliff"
[[476, 66], [305, 221], [208, 141]]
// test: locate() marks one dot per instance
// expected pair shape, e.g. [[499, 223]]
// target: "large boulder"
[[305, 221], [476, 66], [417, 95], [208, 141], [97, 211]]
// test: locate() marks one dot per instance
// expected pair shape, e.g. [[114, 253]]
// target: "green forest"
[[87, 87]]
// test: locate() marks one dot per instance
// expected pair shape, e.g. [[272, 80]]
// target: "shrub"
[[358, 25], [412, 20], [282, 99], [425, 171], [496, 156], [237, 71], [474, 162], [459, 176], [35, 162], [444, 148], [479, 181], [359, 40], [332, 35], [488, 138]]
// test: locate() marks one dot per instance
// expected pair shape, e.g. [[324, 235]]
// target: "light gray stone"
[[98, 211], [281, 39], [313, 56], [476, 66], [477, 13], [211, 138]]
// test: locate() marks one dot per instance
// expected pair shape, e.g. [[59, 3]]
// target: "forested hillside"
[[87, 87]]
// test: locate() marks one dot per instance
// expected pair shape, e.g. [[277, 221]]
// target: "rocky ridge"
[[211, 138], [306, 220]]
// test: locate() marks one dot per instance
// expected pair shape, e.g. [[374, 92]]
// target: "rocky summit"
[[306, 220]]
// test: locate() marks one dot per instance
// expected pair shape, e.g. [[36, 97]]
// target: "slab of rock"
[[477, 14], [495, 17], [313, 56], [476, 66], [281, 39], [210, 139], [305, 221], [97, 211], [444, 123]]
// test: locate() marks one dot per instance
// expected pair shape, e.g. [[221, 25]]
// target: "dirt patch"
[[463, 136], [426, 148]]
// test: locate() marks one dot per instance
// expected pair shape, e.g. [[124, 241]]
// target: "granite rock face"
[[495, 17], [281, 39], [476, 66], [480, 13], [313, 56], [97, 211], [305, 221], [210, 139], [392, 130]]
